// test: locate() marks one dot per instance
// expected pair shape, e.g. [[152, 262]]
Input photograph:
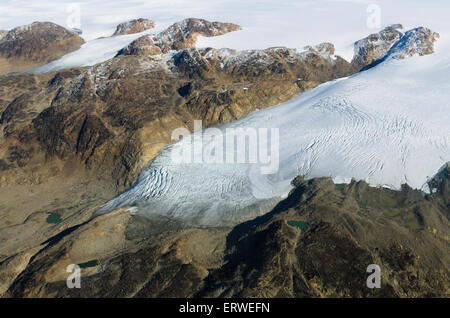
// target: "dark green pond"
[[91, 263], [300, 224], [54, 218]]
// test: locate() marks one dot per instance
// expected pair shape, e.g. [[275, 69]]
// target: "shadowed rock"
[[418, 41]]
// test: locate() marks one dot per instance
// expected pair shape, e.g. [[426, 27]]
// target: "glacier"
[[91, 53], [266, 23], [388, 125]]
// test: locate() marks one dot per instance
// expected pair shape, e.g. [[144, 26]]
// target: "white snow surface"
[[91, 53], [388, 125], [266, 23]]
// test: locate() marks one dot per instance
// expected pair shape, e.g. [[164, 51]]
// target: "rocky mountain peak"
[[38, 43], [392, 43], [325, 50], [24, 32], [178, 36], [376, 45], [143, 46], [416, 41], [184, 34], [134, 26]]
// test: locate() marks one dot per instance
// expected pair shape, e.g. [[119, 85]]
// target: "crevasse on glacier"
[[369, 126]]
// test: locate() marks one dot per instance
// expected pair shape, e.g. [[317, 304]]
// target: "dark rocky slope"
[[316, 243]]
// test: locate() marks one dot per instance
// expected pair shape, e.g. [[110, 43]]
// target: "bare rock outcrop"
[[280, 254], [325, 49], [178, 36], [143, 46], [184, 34], [2, 34], [39, 43], [134, 26], [391, 43], [418, 41], [375, 46]]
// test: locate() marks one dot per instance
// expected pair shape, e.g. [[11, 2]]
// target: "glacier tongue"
[[91, 53], [388, 125]]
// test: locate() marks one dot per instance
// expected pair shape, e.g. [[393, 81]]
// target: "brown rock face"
[[350, 226], [391, 43], [143, 46], [39, 43], [325, 49], [375, 46], [178, 36], [318, 242], [134, 26], [184, 34]]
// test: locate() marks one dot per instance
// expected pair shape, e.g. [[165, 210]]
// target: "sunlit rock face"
[[32, 45], [178, 36], [390, 42], [375, 46], [134, 26]]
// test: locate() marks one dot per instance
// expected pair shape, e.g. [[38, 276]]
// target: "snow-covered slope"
[[91, 53], [266, 23], [388, 125]]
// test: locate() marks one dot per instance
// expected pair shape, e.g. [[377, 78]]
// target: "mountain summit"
[[26, 47]]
